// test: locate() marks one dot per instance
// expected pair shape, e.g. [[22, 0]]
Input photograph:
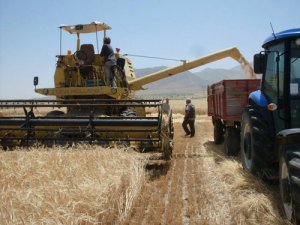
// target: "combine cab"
[[81, 75]]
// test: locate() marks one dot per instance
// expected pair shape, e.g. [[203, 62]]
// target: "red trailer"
[[226, 102]]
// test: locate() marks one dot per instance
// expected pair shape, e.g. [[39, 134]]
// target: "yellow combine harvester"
[[88, 110]]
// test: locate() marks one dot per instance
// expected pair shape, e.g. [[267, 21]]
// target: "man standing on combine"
[[110, 61], [189, 118]]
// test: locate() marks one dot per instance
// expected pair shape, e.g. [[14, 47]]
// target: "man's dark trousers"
[[191, 123]]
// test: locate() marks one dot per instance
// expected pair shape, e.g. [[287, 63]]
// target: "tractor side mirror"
[[259, 63], [35, 81]]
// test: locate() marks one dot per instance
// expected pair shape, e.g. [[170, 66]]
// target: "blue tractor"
[[270, 127]]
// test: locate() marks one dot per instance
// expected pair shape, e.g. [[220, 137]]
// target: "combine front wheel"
[[167, 147], [167, 135]]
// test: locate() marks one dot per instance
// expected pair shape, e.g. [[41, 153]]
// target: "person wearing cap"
[[189, 118], [110, 60]]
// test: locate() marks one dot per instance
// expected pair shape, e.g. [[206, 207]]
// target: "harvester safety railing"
[[65, 121], [79, 103]]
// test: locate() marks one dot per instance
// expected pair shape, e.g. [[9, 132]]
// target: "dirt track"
[[203, 186]]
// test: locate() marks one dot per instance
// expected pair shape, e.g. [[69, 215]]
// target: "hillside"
[[186, 83]]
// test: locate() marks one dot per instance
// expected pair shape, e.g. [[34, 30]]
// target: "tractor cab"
[[280, 65], [270, 127], [82, 74]]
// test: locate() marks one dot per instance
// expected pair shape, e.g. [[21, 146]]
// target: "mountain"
[[210, 76], [182, 80], [186, 83]]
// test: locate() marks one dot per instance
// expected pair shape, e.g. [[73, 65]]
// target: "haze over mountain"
[[186, 83]]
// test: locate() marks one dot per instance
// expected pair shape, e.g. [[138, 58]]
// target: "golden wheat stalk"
[[82, 185]]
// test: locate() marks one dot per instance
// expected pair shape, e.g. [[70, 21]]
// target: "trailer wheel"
[[232, 141], [289, 183], [256, 143], [218, 132]]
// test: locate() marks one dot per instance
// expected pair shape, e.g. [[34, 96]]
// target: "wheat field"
[[87, 184], [178, 106], [79, 185]]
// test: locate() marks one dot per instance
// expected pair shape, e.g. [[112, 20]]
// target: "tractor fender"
[[287, 137], [285, 133], [258, 98], [259, 101]]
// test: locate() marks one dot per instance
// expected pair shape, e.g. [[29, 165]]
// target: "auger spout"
[[233, 52]]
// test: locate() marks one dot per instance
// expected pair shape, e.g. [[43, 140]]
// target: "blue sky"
[[177, 29]]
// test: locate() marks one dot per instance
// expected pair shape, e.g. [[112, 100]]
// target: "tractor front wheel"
[[256, 142]]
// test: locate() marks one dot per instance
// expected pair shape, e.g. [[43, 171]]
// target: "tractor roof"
[[85, 28], [283, 34]]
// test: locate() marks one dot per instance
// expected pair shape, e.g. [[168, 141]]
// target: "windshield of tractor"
[[295, 68], [295, 83], [275, 58]]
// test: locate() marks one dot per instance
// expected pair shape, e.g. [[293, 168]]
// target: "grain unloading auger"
[[88, 110]]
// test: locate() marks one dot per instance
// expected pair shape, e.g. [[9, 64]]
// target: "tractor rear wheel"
[[256, 142], [218, 131], [232, 141], [289, 182]]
